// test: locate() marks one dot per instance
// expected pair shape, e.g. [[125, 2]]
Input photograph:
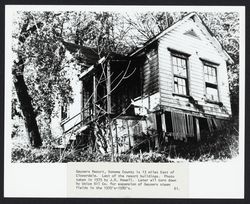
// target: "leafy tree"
[[38, 70], [105, 31], [225, 27], [146, 25]]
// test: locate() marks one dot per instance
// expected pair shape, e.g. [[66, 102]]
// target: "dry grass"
[[220, 146]]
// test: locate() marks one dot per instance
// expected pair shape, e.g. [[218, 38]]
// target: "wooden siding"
[[124, 132], [197, 48], [150, 73]]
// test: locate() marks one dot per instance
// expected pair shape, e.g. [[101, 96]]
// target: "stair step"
[[82, 128]]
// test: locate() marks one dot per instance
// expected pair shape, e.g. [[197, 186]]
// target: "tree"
[[146, 25], [22, 90], [105, 31], [38, 70], [225, 27]]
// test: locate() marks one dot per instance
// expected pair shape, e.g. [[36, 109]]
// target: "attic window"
[[192, 33], [193, 18]]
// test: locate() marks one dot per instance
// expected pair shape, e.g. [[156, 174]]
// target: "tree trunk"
[[22, 89], [28, 111]]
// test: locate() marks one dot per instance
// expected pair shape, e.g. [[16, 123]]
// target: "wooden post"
[[163, 123], [129, 142], [149, 105], [131, 130], [94, 97], [108, 89], [197, 129], [94, 110], [82, 101], [111, 137], [108, 86], [116, 137]]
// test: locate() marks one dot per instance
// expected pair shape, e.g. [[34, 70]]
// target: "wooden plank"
[[163, 122], [150, 72], [197, 129], [183, 44], [166, 96], [166, 73], [108, 84], [94, 96]]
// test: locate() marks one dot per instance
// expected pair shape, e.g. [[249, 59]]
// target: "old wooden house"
[[175, 87]]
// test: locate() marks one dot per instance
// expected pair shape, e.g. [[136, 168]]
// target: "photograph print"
[[109, 86]]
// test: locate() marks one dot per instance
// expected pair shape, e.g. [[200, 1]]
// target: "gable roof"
[[90, 58], [90, 55], [192, 15]]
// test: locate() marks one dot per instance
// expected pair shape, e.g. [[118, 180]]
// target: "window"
[[211, 86], [64, 111], [180, 86], [179, 63]]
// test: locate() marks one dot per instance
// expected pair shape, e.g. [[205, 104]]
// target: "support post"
[[129, 141], [116, 138], [94, 111], [197, 129], [82, 93], [108, 87], [94, 97]]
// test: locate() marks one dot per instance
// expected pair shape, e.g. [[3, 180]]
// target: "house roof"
[[90, 58], [87, 55], [178, 23], [91, 55]]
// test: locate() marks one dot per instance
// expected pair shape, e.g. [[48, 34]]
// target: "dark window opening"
[[86, 103], [204, 129], [168, 121], [64, 111]]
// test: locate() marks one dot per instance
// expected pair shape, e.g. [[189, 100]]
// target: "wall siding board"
[[150, 72], [197, 48]]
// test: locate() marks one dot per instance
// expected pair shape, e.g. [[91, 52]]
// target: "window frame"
[[209, 84], [184, 56]]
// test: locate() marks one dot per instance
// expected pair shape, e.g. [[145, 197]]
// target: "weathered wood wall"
[[200, 47], [150, 73]]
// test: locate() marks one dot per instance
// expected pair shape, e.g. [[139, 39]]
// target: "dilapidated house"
[[175, 87]]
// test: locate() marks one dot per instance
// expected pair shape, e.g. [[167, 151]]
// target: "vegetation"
[[219, 146]]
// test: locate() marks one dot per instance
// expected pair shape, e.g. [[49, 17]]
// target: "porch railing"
[[75, 121]]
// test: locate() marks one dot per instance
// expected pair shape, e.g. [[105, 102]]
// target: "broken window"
[[179, 63], [180, 86], [211, 86]]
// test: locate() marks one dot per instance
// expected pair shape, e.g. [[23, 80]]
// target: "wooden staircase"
[[72, 127]]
